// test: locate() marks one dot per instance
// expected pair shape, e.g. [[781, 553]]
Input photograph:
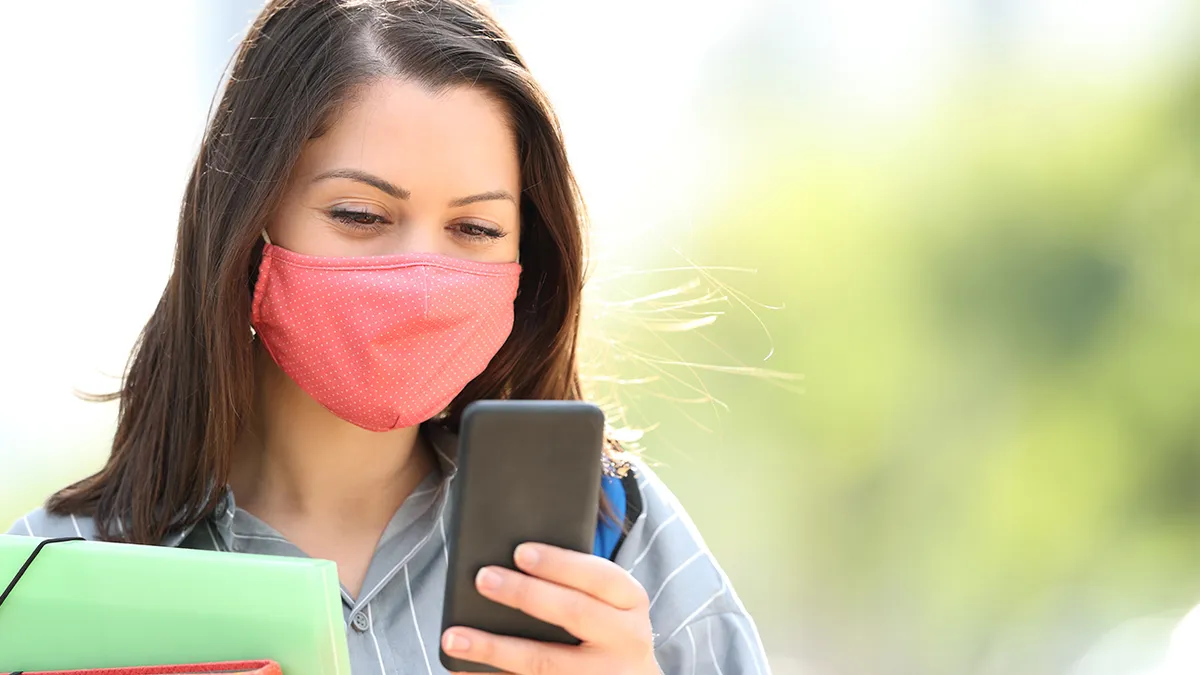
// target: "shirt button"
[[360, 622]]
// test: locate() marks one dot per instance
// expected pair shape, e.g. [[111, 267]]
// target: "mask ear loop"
[[267, 238]]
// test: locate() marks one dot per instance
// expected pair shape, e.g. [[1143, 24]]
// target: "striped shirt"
[[394, 625]]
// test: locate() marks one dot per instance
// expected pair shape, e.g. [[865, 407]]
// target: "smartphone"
[[527, 471]]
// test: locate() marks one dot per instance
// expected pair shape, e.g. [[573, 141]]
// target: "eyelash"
[[477, 231], [470, 230], [350, 217]]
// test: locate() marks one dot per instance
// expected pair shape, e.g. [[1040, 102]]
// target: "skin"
[[405, 170]]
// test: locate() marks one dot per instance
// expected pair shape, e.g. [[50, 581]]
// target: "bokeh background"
[[902, 297]]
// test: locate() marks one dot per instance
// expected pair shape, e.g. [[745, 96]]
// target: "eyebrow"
[[367, 178], [494, 195], [400, 193]]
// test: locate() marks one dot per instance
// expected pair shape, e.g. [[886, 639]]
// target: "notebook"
[[227, 668], [89, 605]]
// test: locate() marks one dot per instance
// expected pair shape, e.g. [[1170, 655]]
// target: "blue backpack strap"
[[610, 531], [626, 500]]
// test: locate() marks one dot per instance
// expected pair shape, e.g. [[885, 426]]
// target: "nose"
[[419, 236]]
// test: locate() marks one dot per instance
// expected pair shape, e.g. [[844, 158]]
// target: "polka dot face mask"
[[383, 342]]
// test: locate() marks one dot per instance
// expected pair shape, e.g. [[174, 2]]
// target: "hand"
[[592, 598]]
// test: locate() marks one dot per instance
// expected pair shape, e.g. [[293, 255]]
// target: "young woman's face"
[[406, 171]]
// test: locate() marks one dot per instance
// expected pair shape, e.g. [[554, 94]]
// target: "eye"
[[477, 231], [357, 218]]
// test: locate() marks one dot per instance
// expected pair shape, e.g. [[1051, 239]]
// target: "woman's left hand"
[[592, 598]]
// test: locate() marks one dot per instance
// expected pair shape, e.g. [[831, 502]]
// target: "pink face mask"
[[383, 342]]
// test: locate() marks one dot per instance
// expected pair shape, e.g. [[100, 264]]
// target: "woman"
[[346, 280]]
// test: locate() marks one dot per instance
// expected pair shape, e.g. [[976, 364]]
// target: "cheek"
[[294, 226], [512, 246], [303, 229]]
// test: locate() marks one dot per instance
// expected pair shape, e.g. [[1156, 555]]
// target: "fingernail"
[[488, 579], [453, 642], [527, 555]]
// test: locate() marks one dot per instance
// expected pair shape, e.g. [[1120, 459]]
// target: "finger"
[[510, 654], [600, 578], [583, 616]]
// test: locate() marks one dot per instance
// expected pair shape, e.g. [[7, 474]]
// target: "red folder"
[[226, 668]]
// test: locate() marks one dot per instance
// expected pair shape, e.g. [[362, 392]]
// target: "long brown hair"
[[189, 384]]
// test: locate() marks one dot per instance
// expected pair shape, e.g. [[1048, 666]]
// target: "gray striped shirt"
[[394, 625]]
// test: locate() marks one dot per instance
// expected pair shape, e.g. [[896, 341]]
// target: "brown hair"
[[189, 383]]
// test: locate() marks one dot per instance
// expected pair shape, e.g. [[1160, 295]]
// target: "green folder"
[[84, 604]]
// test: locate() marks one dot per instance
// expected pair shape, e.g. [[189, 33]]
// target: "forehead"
[[457, 139]]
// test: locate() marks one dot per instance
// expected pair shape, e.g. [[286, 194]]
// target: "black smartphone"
[[527, 471]]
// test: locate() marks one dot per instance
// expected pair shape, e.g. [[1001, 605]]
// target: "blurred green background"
[[967, 234]]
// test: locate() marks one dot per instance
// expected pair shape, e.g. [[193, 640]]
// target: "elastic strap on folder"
[[29, 561]]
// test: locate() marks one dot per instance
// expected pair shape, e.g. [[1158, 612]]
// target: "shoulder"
[[39, 523], [700, 624], [666, 554]]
